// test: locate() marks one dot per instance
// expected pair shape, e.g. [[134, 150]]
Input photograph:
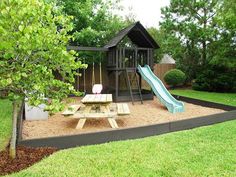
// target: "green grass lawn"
[[224, 98], [206, 151], [5, 122]]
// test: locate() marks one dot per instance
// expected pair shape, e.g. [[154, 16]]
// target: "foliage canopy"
[[94, 24], [94, 21], [34, 36], [200, 35]]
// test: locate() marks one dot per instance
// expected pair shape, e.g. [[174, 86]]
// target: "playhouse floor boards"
[[151, 112]]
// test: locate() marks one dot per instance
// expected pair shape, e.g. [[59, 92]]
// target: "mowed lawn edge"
[[223, 98]]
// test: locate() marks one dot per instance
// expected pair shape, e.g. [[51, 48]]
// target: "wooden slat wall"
[[88, 78], [159, 71]]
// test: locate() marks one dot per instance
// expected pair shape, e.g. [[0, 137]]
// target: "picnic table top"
[[97, 98]]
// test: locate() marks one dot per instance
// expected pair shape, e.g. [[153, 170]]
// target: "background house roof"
[[167, 59]]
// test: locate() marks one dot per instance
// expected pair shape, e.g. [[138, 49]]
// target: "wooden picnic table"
[[101, 101]]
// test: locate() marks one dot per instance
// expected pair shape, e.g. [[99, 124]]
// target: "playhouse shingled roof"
[[137, 34]]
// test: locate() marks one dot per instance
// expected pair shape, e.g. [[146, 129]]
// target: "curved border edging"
[[69, 141], [205, 103]]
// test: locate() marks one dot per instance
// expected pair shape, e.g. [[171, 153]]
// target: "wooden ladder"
[[127, 71]]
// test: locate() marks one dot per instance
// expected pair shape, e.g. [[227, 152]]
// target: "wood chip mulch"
[[26, 157]]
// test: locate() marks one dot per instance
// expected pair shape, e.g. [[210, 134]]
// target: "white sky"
[[148, 12]]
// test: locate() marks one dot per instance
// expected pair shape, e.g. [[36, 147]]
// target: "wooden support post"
[[77, 81], [152, 58], [139, 88], [120, 59], [140, 81], [113, 123], [123, 57], [129, 85], [80, 124], [117, 58], [117, 84]]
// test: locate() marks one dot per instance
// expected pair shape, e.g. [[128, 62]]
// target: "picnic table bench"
[[100, 101]]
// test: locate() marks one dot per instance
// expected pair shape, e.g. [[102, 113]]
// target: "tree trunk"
[[204, 55], [12, 149], [204, 47]]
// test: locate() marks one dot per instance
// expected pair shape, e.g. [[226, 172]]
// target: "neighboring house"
[[167, 59]]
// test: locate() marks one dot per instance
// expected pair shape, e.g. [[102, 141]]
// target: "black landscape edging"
[[63, 142], [202, 121], [205, 103]]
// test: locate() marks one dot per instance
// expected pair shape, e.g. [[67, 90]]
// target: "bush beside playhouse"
[[215, 80], [175, 77]]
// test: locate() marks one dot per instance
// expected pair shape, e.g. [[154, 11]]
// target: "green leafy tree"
[[193, 23], [94, 24], [169, 44], [206, 30], [223, 50], [220, 73], [33, 47], [94, 21]]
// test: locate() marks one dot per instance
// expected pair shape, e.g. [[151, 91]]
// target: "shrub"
[[175, 77], [215, 79]]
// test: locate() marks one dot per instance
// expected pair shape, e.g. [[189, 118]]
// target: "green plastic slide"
[[160, 90]]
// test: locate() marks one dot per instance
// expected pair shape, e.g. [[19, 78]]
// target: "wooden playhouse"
[[131, 47]]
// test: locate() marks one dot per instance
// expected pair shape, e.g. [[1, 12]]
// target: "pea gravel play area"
[[151, 112]]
